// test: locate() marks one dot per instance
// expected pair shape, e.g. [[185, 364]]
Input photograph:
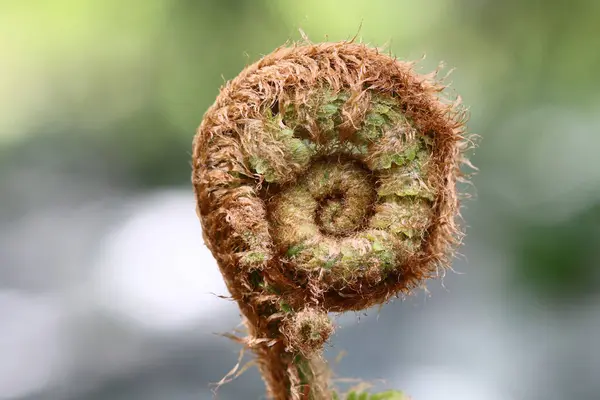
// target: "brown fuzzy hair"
[[325, 178]]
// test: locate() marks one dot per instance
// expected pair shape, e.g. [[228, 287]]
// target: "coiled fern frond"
[[325, 178]]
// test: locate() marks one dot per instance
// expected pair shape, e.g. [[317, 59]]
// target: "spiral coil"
[[325, 180]]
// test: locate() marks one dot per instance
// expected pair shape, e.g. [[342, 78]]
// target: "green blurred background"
[[100, 100]]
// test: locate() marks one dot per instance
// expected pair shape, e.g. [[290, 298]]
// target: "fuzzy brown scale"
[[325, 180]]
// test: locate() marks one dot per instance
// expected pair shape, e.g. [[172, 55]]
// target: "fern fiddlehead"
[[325, 182]]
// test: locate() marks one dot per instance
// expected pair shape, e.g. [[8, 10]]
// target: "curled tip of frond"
[[325, 176], [341, 110]]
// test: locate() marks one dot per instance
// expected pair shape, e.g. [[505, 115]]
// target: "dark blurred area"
[[106, 290]]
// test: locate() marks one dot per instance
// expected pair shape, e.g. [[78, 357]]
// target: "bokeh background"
[[106, 289]]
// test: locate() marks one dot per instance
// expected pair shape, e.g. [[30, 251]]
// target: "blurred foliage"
[[115, 93], [389, 395], [556, 259]]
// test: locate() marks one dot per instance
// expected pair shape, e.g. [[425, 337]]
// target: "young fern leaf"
[[325, 178]]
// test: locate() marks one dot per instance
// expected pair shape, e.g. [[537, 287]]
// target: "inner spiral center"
[[333, 216], [331, 201], [342, 195]]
